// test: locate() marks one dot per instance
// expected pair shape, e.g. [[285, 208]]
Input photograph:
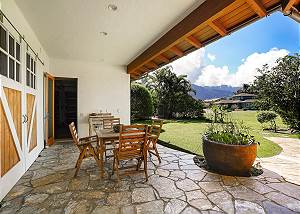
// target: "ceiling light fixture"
[[112, 7], [103, 33]]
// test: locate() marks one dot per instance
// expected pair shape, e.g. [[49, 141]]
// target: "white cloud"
[[190, 64], [211, 57], [211, 75]]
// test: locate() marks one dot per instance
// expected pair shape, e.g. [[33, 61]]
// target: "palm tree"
[[169, 89]]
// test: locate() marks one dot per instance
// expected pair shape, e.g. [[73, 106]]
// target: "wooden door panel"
[[30, 102], [31, 123], [33, 142], [9, 154], [14, 102]]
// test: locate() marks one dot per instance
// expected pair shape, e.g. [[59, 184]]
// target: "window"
[[30, 71], [10, 51]]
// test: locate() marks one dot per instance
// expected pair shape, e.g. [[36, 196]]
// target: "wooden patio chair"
[[154, 131], [97, 121], [132, 145], [108, 123], [85, 147]]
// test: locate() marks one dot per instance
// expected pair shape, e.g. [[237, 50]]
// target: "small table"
[[105, 135]]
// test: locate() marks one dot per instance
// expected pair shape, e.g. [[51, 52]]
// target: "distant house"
[[238, 101], [209, 102]]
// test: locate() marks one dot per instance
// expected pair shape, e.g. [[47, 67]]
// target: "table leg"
[[101, 153]]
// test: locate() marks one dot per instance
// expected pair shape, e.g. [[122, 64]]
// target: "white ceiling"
[[70, 29]]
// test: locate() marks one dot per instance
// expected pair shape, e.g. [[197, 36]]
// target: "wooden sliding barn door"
[[20, 115], [31, 127], [12, 159]]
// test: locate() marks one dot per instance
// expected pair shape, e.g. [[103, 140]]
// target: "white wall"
[[14, 14], [11, 10], [100, 87]]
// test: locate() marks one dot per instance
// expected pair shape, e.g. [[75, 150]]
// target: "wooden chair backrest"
[[108, 123], [132, 140], [74, 133], [100, 114], [99, 120], [156, 127]]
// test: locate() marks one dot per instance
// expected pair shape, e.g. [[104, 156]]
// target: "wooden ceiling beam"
[[258, 7], [176, 51], [144, 69], [218, 27], [288, 4], [163, 58], [136, 72], [193, 41], [152, 64], [183, 29]]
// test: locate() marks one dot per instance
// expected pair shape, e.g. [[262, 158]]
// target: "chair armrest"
[[90, 138]]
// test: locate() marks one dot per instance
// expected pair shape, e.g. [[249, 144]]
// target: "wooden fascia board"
[[183, 29]]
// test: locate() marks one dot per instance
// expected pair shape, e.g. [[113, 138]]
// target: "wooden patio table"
[[105, 135]]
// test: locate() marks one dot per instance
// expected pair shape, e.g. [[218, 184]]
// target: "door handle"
[[24, 119]]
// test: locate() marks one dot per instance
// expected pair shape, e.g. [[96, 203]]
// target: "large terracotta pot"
[[229, 159]]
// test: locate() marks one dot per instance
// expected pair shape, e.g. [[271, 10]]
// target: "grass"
[[187, 134]]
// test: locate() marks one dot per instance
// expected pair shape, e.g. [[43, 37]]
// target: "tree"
[[279, 89], [140, 101], [267, 117], [172, 94]]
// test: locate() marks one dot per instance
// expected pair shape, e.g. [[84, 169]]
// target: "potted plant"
[[229, 148]]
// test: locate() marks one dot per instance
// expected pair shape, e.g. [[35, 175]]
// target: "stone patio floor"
[[287, 163], [176, 185]]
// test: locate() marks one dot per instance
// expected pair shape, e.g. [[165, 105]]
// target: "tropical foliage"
[[172, 95], [278, 89]]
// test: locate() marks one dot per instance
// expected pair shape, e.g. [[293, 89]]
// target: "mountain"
[[211, 92]]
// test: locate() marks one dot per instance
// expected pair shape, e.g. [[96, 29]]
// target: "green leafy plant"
[[267, 117], [141, 102], [219, 114], [278, 89], [229, 132]]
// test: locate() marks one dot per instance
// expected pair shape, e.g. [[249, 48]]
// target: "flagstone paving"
[[175, 186], [287, 163]]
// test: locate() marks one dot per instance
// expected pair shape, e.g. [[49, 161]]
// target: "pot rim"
[[204, 137]]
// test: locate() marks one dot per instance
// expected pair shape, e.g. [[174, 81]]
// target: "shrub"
[[267, 117], [141, 102], [188, 107]]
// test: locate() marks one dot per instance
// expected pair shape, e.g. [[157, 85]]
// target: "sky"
[[233, 60]]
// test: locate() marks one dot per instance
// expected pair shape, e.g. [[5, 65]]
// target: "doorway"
[[49, 109], [65, 106]]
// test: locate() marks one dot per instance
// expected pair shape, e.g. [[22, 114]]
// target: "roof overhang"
[[207, 23]]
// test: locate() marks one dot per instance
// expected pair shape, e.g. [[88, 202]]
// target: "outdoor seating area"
[[124, 143], [100, 113], [176, 185]]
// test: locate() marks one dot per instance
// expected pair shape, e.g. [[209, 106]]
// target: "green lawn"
[[187, 134]]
